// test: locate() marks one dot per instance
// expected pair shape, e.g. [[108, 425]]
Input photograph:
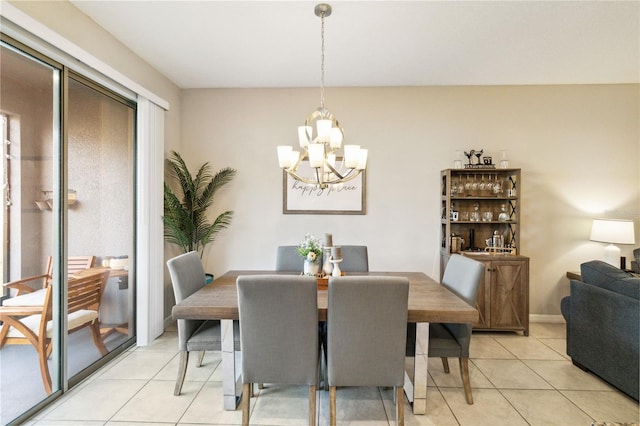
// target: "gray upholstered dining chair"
[[288, 259], [364, 312], [354, 259], [278, 334], [187, 276], [462, 276]]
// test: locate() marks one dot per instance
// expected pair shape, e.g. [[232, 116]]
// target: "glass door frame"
[[59, 371]]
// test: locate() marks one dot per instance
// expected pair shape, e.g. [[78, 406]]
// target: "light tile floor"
[[516, 380]]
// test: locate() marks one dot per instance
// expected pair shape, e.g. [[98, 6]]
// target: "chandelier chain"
[[322, 61]]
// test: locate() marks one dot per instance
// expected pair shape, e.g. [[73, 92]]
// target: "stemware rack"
[[503, 295], [476, 203]]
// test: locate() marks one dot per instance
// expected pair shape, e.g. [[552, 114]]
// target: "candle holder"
[[336, 268], [327, 267]]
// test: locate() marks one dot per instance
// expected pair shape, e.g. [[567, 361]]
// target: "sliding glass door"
[[30, 108], [100, 211], [68, 212]]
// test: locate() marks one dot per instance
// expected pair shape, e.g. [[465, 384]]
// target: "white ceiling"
[[199, 44]]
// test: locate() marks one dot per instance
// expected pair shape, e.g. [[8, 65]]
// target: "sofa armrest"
[[603, 334]]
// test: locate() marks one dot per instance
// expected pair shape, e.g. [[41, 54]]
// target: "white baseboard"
[[557, 319]]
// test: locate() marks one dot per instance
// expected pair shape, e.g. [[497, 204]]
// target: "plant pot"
[[311, 268]]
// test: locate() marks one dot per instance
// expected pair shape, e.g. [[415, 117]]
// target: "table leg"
[[417, 391], [231, 383]]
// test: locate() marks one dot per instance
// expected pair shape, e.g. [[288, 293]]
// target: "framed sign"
[[301, 198]]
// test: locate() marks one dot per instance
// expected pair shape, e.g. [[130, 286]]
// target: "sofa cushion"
[[601, 274]]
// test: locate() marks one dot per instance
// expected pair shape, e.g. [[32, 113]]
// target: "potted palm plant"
[[185, 218]]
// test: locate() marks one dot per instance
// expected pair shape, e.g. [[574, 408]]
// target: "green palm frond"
[[185, 220]]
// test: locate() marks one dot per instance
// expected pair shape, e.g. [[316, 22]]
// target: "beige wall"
[[65, 19], [578, 147]]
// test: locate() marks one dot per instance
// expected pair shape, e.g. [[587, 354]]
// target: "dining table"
[[428, 302]]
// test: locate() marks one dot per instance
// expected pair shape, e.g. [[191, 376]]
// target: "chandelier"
[[321, 138]]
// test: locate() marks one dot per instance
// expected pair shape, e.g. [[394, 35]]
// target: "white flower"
[[311, 256]]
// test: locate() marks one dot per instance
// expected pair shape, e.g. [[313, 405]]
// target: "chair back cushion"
[[462, 276], [367, 320], [354, 259], [288, 259], [187, 275], [278, 328]]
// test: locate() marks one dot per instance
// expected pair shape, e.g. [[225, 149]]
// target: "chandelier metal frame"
[[321, 139]]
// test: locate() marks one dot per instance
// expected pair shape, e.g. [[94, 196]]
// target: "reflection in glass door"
[[69, 237], [100, 158], [29, 104]]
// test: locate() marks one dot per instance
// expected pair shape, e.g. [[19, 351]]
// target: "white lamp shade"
[[336, 138], [284, 156], [615, 231], [351, 156], [304, 135], [324, 130], [362, 159], [331, 159], [295, 156], [316, 154]]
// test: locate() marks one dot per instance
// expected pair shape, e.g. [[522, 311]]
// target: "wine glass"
[[467, 185], [482, 186], [474, 185], [478, 154], [489, 186], [469, 155]]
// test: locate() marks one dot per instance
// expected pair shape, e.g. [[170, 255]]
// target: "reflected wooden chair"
[[29, 293], [462, 277], [278, 333], [33, 325], [366, 324]]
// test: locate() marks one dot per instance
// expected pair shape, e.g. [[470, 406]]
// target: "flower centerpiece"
[[311, 250]]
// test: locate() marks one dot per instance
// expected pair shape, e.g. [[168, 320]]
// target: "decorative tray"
[[323, 282]]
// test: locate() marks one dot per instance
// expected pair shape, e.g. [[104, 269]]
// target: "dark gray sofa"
[[603, 324]]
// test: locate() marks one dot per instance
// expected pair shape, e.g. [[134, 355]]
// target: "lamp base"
[[612, 255]]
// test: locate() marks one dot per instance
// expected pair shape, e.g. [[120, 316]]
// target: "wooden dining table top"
[[429, 301]]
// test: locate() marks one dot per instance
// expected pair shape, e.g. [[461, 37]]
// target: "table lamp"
[[613, 231]]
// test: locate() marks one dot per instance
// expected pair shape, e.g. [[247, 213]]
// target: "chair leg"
[[182, 371], [44, 368], [445, 364], [200, 358], [97, 338], [4, 330], [399, 394], [332, 405], [312, 405], [245, 403], [464, 373]]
